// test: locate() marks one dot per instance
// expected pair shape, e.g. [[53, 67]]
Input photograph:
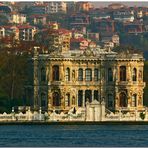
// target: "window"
[[55, 70], [96, 75], [134, 100], [96, 95], [134, 75], [80, 75], [88, 95], [80, 98], [67, 101], [110, 75], [123, 99], [122, 73], [67, 74], [88, 75], [56, 99], [110, 101], [43, 75], [43, 99]]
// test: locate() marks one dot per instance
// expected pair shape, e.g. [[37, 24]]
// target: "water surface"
[[73, 135]]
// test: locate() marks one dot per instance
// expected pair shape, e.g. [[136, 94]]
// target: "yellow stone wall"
[[103, 86]]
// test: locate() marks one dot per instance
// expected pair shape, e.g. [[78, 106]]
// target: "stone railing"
[[90, 113]]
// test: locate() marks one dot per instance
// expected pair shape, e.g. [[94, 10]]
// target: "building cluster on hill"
[[85, 24]]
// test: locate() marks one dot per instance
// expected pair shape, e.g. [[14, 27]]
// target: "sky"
[[102, 4]]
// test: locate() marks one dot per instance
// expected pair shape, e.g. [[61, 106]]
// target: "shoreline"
[[75, 123]]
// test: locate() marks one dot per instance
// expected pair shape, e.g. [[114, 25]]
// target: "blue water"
[[74, 135]]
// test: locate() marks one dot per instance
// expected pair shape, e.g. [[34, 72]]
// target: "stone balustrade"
[[94, 111]]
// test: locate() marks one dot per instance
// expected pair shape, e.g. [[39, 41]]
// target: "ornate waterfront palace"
[[69, 78]]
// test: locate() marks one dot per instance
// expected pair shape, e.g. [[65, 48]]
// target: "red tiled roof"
[[8, 27], [59, 31], [78, 40], [25, 26], [38, 15]]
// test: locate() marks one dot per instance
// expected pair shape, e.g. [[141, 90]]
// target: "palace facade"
[[69, 78]]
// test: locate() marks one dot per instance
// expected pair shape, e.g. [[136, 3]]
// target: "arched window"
[[110, 75], [96, 95], [96, 74], [134, 100], [80, 98], [43, 100], [55, 70], [88, 95], [123, 99], [122, 73], [67, 74], [110, 101], [134, 75], [56, 99], [67, 101], [80, 74], [43, 74], [88, 74]]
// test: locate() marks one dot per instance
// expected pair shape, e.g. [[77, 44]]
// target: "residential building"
[[57, 7], [123, 15], [103, 25], [12, 30], [116, 6], [37, 19], [17, 18], [134, 27], [93, 36], [26, 32], [78, 43], [39, 8], [83, 6], [108, 44], [79, 21], [57, 38], [116, 39]]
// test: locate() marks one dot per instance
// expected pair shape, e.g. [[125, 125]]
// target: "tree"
[[13, 76]]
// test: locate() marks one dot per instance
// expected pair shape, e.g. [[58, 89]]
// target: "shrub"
[[142, 115]]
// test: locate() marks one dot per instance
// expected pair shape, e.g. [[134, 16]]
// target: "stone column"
[[102, 111], [92, 75], [36, 83], [87, 112], [128, 74], [83, 74], [118, 74], [115, 74], [61, 72], [83, 98], [77, 98], [92, 94], [135, 114], [76, 74]]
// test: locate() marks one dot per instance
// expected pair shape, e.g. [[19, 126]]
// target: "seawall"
[[75, 123]]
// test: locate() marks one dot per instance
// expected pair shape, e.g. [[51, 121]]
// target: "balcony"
[[55, 83]]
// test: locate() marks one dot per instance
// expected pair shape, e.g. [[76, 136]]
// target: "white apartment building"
[[27, 32], [17, 18], [55, 7]]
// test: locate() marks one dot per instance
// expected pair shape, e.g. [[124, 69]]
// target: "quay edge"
[[75, 123]]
